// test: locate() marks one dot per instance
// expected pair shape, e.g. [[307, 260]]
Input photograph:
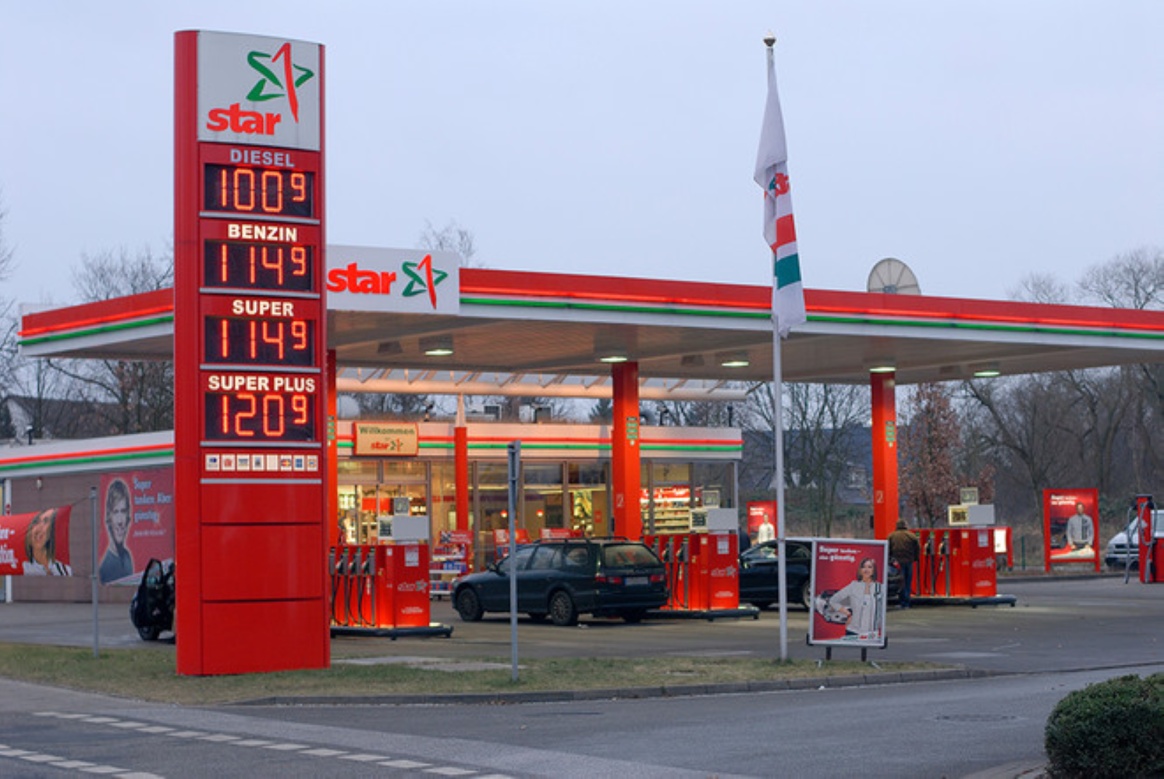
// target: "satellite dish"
[[893, 277]]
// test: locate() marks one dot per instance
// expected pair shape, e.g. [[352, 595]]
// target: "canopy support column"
[[625, 466], [885, 499]]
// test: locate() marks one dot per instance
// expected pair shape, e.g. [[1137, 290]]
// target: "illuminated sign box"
[[386, 439]]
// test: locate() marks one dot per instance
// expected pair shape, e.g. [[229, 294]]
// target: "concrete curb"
[[611, 693]]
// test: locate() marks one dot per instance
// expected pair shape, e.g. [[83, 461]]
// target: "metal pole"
[[778, 406], [514, 451], [93, 574], [6, 508], [778, 480]]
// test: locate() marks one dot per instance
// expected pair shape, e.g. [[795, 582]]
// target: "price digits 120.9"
[[260, 416]]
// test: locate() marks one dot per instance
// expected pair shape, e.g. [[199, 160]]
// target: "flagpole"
[[788, 309], [778, 477], [778, 436]]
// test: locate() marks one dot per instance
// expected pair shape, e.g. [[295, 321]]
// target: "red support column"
[[461, 475], [885, 500], [625, 467]]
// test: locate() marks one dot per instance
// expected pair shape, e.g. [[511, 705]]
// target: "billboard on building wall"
[[137, 520], [1070, 527], [35, 544]]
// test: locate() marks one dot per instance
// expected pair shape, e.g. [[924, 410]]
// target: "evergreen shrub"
[[1109, 729]]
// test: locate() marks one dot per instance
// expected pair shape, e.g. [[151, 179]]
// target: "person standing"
[[766, 531], [1080, 529], [905, 549]]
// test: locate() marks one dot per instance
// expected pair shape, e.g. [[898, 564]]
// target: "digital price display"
[[258, 407], [266, 266], [241, 341], [241, 189]]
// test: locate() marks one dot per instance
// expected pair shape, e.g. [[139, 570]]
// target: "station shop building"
[[548, 335]]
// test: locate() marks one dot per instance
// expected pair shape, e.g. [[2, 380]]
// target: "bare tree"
[[1021, 426], [132, 396], [1041, 288], [602, 412], [1133, 279], [823, 448], [8, 321], [394, 406], [450, 238]]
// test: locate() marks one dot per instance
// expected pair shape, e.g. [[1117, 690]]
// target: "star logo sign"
[[779, 184], [422, 277], [270, 85]]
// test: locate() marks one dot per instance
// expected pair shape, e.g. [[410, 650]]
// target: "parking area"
[[1058, 623]]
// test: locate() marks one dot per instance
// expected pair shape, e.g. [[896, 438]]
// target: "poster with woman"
[[137, 513], [1070, 527], [849, 592], [35, 544]]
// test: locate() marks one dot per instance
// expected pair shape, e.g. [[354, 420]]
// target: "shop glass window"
[[713, 484], [542, 497], [405, 470], [358, 471], [589, 512], [666, 497], [492, 495], [444, 498]]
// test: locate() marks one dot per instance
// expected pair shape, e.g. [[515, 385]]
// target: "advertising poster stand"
[[849, 594], [1071, 528]]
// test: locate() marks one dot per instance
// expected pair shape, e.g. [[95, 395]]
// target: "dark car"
[[759, 574], [564, 578]]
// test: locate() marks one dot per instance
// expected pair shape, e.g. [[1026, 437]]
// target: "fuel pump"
[[1147, 542]]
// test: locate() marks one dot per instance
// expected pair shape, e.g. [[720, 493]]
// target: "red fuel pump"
[[1151, 541]]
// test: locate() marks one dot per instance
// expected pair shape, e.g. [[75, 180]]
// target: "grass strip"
[[149, 674]]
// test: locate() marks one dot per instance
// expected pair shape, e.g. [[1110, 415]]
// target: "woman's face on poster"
[[40, 529], [868, 571]]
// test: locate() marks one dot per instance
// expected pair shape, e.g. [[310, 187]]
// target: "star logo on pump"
[[422, 278], [270, 85]]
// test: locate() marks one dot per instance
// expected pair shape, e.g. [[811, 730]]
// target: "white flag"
[[779, 227]]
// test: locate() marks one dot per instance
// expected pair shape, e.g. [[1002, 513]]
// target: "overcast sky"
[[978, 142]]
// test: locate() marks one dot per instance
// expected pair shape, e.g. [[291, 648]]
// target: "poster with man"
[[849, 592], [36, 544], [137, 513], [1070, 527]]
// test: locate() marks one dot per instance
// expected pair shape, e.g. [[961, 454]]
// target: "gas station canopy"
[[532, 330]]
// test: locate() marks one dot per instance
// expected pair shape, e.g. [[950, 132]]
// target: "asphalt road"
[[1062, 634]]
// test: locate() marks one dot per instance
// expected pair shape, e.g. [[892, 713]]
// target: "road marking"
[[37, 757], [405, 764], [220, 738], [362, 758]]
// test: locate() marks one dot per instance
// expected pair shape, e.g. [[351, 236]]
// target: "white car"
[[1119, 554]]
